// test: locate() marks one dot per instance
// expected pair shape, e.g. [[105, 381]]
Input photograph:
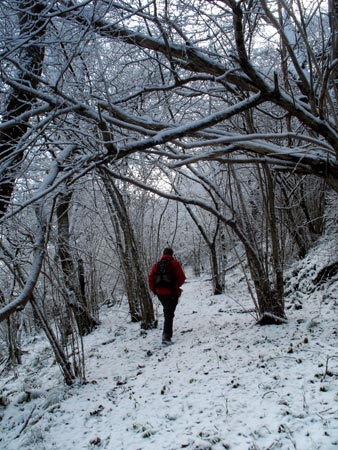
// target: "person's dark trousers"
[[169, 304]]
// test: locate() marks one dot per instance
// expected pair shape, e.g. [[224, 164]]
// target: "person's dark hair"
[[168, 251]]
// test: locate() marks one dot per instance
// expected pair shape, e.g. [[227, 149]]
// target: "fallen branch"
[[26, 422]]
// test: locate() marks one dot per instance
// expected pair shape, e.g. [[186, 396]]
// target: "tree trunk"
[[270, 301], [277, 292], [215, 274], [216, 281], [32, 25], [74, 296], [270, 306], [14, 351], [140, 303]]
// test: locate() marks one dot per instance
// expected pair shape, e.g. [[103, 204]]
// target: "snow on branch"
[[22, 299], [303, 156], [180, 131]]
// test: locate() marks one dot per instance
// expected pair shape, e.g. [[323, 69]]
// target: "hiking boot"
[[166, 340]]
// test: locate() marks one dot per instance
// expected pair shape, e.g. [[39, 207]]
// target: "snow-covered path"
[[225, 383]]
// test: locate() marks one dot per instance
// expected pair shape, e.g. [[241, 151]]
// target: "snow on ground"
[[225, 383]]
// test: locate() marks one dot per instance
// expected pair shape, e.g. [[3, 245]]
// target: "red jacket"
[[179, 278]]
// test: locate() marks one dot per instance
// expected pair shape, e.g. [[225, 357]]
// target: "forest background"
[[210, 126]]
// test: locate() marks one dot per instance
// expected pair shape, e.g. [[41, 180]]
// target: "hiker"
[[165, 280]]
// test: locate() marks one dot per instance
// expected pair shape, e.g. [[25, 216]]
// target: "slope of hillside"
[[225, 383]]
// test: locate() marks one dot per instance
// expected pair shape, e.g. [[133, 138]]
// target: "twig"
[[238, 303], [270, 392], [26, 422], [327, 366], [6, 363]]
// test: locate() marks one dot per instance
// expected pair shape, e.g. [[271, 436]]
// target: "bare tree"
[[75, 296], [32, 21], [140, 303], [244, 84]]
